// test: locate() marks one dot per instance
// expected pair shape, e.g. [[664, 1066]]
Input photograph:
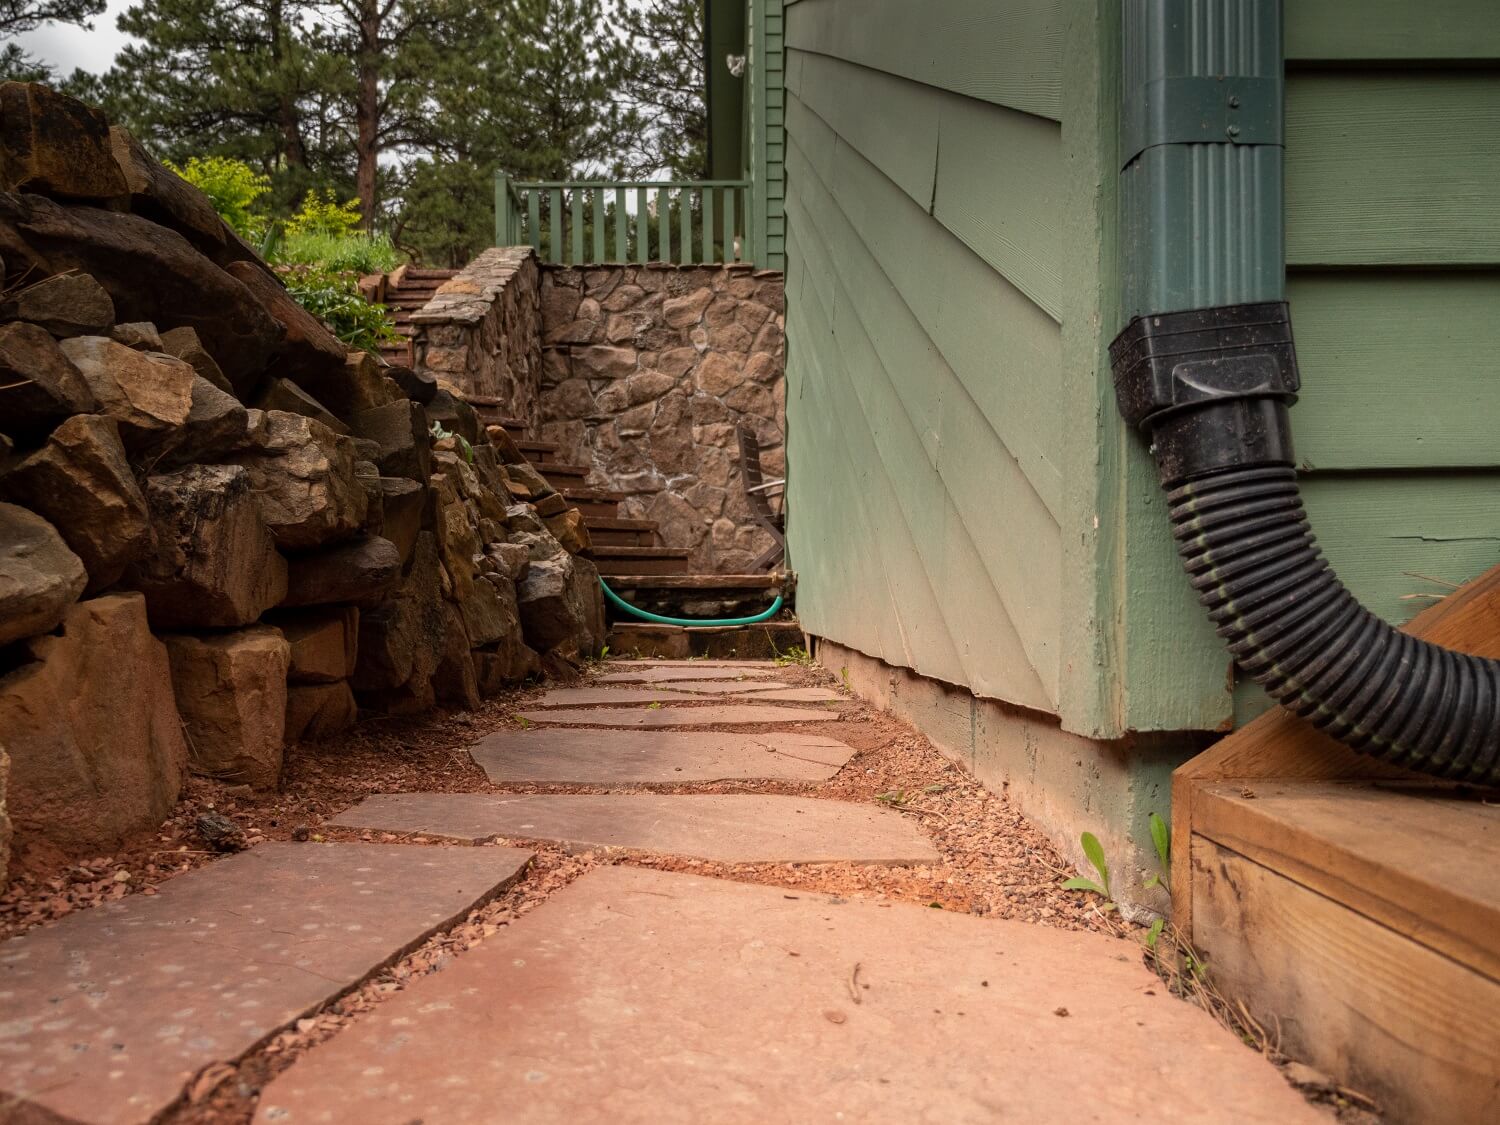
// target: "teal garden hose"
[[704, 622]]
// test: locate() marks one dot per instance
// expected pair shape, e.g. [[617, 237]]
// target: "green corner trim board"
[[962, 245]]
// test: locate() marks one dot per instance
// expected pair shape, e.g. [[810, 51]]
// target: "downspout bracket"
[[1224, 109]]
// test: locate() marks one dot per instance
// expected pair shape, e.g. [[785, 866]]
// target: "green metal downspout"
[[1201, 155]]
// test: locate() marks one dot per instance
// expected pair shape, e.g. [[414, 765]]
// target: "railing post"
[[502, 207], [622, 233]]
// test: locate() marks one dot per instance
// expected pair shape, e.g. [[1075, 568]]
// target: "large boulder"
[[161, 194], [359, 572], [400, 430], [401, 640], [560, 605], [150, 272], [406, 508], [231, 693], [454, 680], [358, 384], [216, 564], [308, 351], [283, 394], [96, 745], [318, 711], [147, 395], [304, 479], [81, 482], [216, 425], [39, 576], [183, 343], [323, 643], [55, 144], [70, 304], [39, 386]]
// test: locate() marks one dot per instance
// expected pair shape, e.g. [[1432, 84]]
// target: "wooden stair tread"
[[614, 523], [695, 581], [642, 552], [598, 495], [1420, 857]]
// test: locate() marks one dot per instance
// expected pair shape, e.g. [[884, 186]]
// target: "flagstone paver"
[[683, 673], [614, 697], [106, 1014], [622, 757], [725, 828], [716, 716], [641, 996]]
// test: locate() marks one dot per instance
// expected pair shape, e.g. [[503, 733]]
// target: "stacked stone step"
[[409, 289]]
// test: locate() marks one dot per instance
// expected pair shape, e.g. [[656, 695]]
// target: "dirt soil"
[[993, 862]]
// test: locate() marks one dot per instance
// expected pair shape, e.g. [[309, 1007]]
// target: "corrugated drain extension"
[[1212, 387]]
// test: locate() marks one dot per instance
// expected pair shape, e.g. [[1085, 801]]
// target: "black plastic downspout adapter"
[[1211, 389]]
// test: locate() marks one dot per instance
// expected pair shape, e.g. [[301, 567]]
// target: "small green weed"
[[523, 721], [1095, 853], [1162, 839]]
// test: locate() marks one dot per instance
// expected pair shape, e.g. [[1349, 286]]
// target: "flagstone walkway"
[[633, 993]]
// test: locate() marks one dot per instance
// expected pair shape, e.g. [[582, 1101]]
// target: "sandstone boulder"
[[489, 611], [304, 480], [507, 663], [285, 395], [124, 252], [216, 564], [560, 605], [360, 384], [39, 576], [55, 144], [39, 386], [569, 530], [231, 693], [512, 559], [308, 352], [416, 385], [80, 481], [161, 194], [456, 416], [406, 507], [70, 304], [322, 643], [401, 640], [454, 680], [400, 431], [315, 712], [359, 572], [216, 425], [183, 343], [147, 395], [95, 741], [5, 826], [140, 335]]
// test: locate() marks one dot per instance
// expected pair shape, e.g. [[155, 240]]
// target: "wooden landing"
[[1353, 905]]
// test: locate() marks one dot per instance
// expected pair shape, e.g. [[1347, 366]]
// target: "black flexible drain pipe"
[[1211, 389]]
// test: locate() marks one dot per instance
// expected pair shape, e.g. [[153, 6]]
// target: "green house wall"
[[963, 500]]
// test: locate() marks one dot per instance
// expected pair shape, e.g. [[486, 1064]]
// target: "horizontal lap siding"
[[1393, 256], [924, 346]]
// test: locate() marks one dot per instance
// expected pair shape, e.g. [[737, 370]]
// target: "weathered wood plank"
[[1009, 54], [1370, 30], [1399, 370], [1281, 745], [1390, 1018], [1393, 168], [1378, 530], [1423, 860]]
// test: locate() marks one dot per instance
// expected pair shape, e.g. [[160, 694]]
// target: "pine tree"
[[659, 70], [20, 16]]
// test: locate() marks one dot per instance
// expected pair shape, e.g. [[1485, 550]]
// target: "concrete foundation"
[[1064, 783]]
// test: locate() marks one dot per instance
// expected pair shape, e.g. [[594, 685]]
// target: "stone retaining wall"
[[482, 331], [647, 371]]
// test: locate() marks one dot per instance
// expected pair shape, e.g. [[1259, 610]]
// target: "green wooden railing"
[[580, 222]]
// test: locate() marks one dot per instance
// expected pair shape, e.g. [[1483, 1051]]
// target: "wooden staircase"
[[404, 292]]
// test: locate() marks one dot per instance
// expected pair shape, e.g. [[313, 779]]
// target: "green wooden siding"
[[928, 480], [767, 130]]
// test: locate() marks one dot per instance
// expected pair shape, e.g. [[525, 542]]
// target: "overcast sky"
[[65, 46]]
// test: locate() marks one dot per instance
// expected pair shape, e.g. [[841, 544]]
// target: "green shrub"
[[340, 253], [321, 213], [334, 298], [232, 186]]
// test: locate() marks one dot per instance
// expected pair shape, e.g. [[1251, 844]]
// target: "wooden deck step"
[[562, 476], [613, 532], [594, 501], [641, 560], [540, 452], [689, 582]]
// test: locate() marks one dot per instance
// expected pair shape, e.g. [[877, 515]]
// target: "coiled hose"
[[1292, 626], [1212, 387]]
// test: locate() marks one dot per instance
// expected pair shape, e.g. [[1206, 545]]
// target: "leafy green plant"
[[894, 799], [1153, 934], [335, 299], [794, 655], [323, 214], [351, 252], [1095, 853], [232, 186], [1162, 839]]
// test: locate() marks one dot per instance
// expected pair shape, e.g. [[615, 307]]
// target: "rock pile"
[[220, 531]]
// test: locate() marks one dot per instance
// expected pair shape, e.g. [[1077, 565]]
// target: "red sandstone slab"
[[625, 696], [715, 716], [682, 672], [640, 996], [622, 757], [724, 828], [107, 1014]]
